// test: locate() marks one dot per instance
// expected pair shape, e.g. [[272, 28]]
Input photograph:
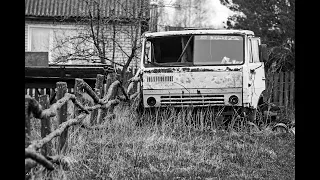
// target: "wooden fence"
[[280, 89], [37, 88], [104, 100]]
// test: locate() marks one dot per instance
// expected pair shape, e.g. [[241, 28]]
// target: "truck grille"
[[160, 79], [194, 100]]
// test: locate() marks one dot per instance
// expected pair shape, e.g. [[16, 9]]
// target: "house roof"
[[81, 8]]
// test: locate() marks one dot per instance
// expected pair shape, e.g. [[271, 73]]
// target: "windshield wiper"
[[185, 48]]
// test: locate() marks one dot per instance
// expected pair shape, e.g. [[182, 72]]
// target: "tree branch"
[[38, 158], [38, 144]]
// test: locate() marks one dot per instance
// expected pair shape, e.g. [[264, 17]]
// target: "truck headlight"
[[151, 101], [233, 100]]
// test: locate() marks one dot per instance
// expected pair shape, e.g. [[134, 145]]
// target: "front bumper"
[[191, 97]]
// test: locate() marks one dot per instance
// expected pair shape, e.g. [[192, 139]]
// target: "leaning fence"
[[104, 98]]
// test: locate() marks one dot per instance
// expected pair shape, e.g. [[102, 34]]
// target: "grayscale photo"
[[159, 89]]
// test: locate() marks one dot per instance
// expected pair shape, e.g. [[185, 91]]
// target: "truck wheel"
[[280, 128]]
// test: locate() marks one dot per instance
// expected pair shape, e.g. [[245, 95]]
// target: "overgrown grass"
[[174, 149]]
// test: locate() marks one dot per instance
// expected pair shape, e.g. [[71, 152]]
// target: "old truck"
[[203, 68]]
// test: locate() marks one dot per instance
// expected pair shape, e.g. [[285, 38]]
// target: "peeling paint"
[[191, 80], [190, 69], [188, 83]]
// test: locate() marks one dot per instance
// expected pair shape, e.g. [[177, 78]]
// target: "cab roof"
[[191, 32]]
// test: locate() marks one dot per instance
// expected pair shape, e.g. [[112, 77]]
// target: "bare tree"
[[190, 13], [106, 33]]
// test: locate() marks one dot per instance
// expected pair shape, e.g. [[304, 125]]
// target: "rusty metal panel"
[[195, 86], [196, 78]]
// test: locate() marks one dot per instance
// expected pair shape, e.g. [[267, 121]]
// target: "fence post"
[[45, 124], [109, 80], [286, 90], [27, 124], [276, 89], [270, 88], [62, 114], [281, 89], [96, 114], [76, 91], [292, 83], [36, 94]]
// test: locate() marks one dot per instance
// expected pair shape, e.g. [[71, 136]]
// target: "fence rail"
[[104, 101]]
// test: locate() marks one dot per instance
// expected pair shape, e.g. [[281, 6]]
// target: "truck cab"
[[202, 68]]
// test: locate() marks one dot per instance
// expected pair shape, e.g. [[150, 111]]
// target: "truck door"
[[256, 71]]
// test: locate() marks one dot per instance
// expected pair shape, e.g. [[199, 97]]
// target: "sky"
[[215, 15]]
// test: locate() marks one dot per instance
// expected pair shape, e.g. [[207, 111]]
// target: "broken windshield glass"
[[193, 50]]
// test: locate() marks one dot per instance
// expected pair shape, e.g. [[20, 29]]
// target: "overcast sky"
[[215, 16]]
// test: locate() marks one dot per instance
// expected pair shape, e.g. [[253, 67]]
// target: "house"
[[63, 29]]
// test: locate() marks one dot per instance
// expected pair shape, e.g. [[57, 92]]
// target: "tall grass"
[[183, 146]]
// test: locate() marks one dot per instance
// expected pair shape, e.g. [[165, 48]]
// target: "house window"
[[40, 38], [59, 41]]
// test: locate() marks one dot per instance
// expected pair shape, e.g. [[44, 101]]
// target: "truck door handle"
[[263, 78]]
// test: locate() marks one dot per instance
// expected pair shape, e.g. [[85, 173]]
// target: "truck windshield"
[[194, 50]]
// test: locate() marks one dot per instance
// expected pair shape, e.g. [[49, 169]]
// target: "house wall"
[[122, 36]]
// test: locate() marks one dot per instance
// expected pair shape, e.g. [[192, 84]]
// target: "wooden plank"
[[70, 90], [36, 94], [32, 92], [276, 89], [29, 92], [42, 92], [62, 116], [51, 83], [281, 89], [48, 91], [27, 124], [96, 114], [77, 94], [45, 125], [270, 88], [64, 72], [286, 89], [292, 85], [110, 79]]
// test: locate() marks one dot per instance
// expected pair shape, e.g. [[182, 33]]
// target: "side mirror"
[[263, 53]]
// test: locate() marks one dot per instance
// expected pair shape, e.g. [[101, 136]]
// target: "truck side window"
[[255, 50], [250, 51]]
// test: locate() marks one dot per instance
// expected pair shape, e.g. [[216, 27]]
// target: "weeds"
[[172, 145]]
